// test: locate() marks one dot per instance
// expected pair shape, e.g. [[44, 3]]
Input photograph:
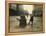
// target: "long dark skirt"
[[23, 22]]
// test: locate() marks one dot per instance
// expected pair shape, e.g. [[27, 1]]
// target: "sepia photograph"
[[25, 17]]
